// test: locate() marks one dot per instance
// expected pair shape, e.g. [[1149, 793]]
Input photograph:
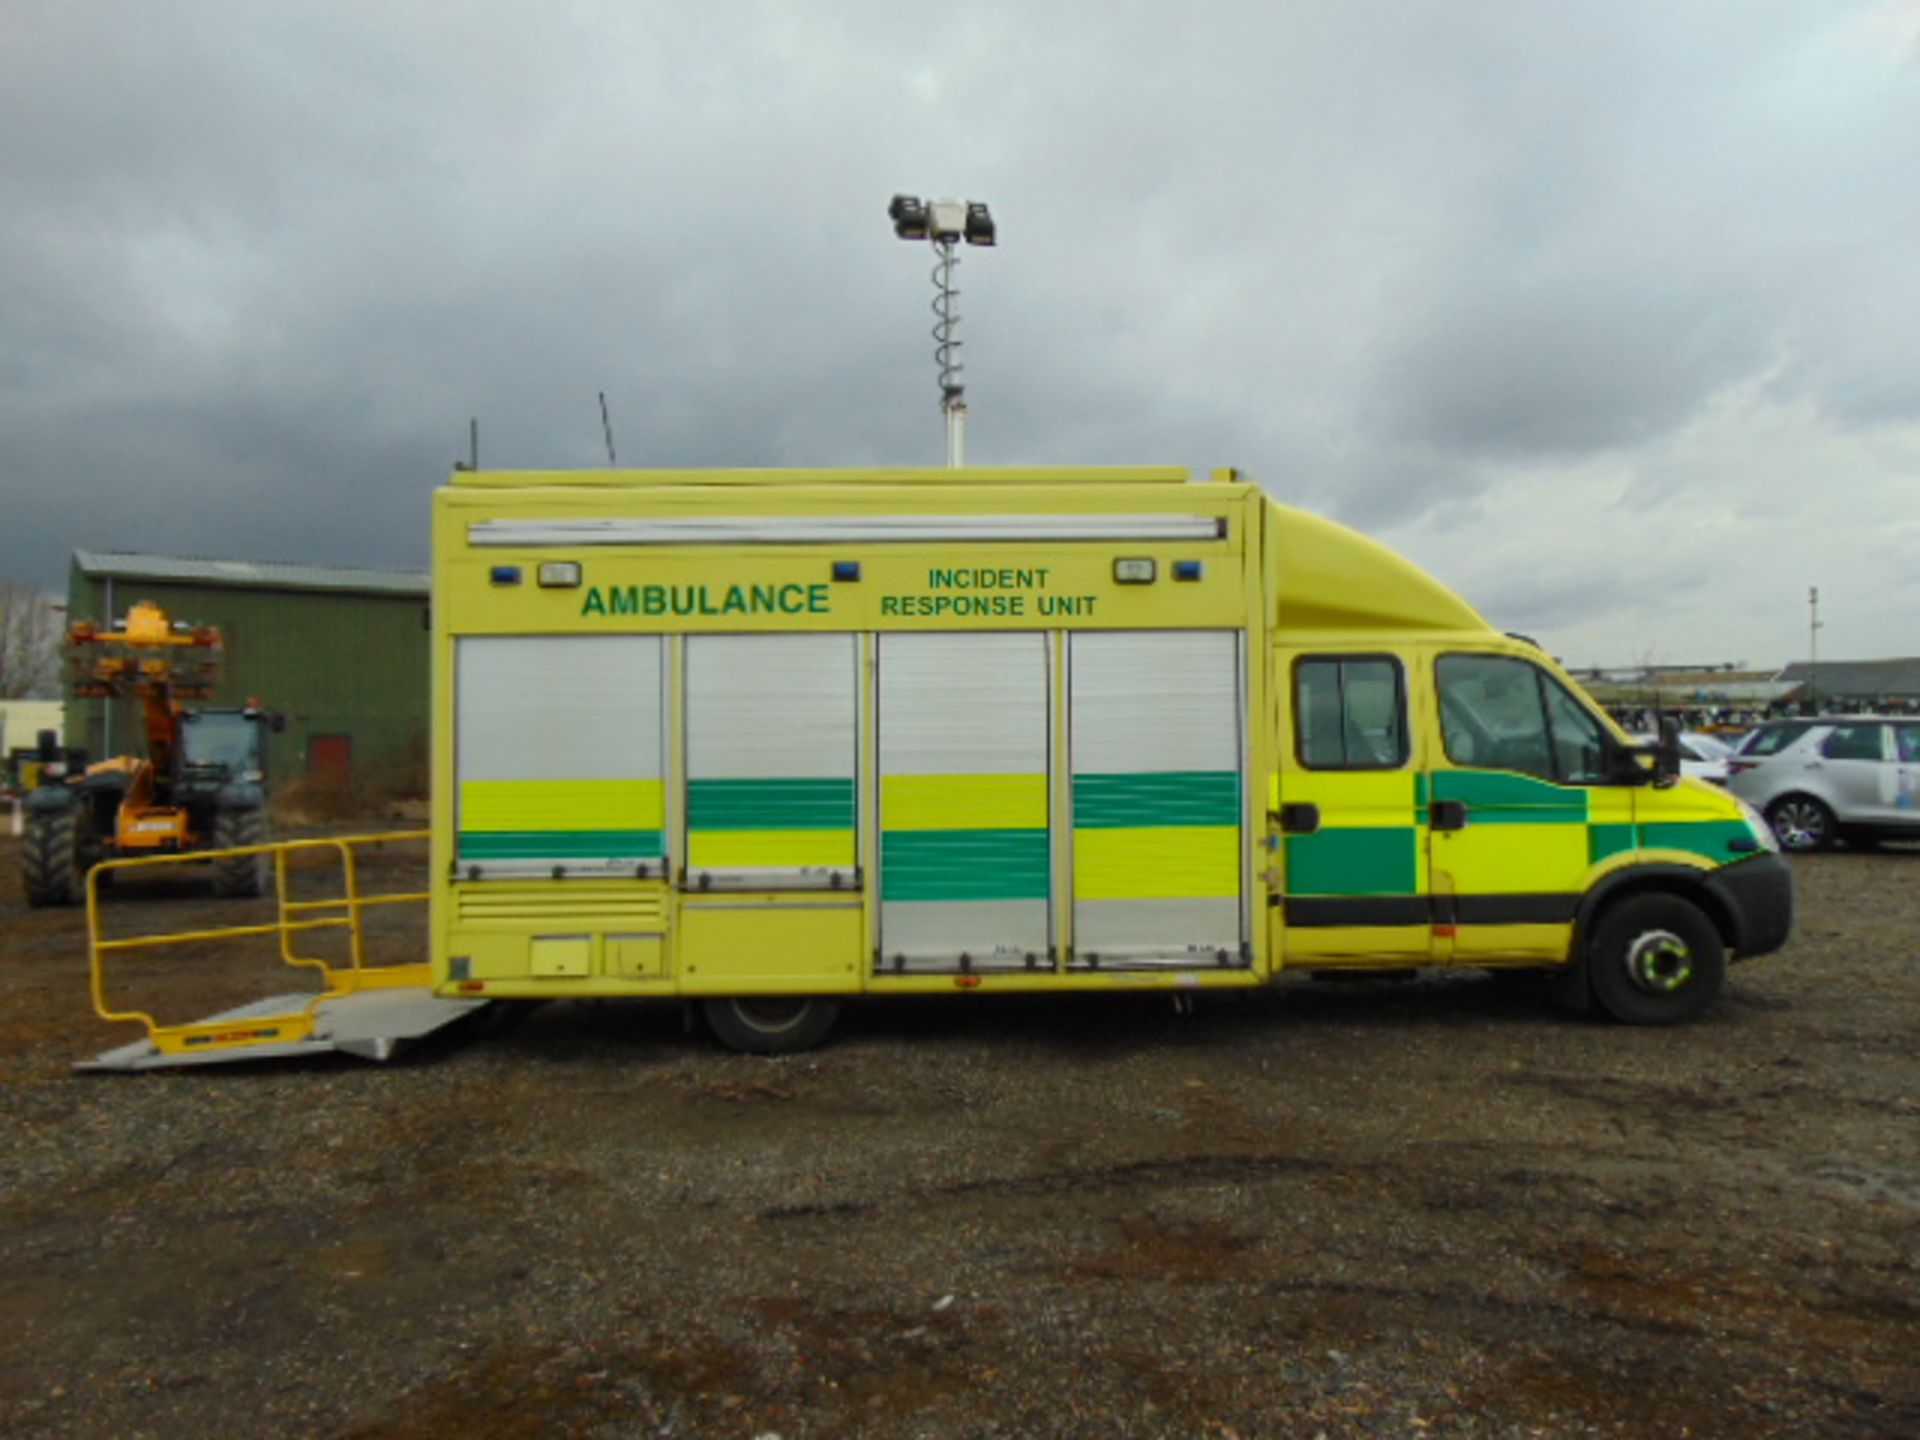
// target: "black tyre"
[[239, 875], [1801, 823], [771, 1024], [1656, 960], [50, 867]]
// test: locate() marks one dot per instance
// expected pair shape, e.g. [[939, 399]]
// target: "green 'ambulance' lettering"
[[789, 599]]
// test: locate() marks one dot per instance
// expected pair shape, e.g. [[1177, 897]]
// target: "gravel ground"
[[1420, 1209]]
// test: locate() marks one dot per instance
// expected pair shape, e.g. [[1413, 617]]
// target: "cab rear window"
[[1350, 712]]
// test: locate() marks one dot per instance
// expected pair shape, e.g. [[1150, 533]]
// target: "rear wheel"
[[1656, 960], [771, 1024], [50, 866], [239, 875], [1801, 823]]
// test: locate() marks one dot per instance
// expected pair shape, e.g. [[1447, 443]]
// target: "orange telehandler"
[[201, 784]]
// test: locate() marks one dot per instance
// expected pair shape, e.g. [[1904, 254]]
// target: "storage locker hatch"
[[965, 855]]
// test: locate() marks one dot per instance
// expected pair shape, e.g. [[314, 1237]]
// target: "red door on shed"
[[330, 757]]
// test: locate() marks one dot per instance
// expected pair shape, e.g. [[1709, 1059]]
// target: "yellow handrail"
[[334, 981]]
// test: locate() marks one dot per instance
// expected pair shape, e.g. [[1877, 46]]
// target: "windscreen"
[[228, 741]]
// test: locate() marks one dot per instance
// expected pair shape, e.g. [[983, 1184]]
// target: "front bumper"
[[1757, 897]]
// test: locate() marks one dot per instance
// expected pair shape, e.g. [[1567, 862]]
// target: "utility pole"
[[1813, 646]]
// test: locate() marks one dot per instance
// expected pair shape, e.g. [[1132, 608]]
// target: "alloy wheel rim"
[[1659, 962], [1800, 825]]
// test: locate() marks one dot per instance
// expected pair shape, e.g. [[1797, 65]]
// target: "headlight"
[[1757, 823]]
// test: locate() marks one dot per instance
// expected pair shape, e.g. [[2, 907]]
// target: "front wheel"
[[1656, 960], [1801, 823], [771, 1024]]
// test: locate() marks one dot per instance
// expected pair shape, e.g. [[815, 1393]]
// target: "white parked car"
[[1704, 757], [1849, 777]]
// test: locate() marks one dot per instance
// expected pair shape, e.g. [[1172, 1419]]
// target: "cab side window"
[[1501, 713], [1349, 713]]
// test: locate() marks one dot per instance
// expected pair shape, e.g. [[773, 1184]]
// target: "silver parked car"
[[1845, 777]]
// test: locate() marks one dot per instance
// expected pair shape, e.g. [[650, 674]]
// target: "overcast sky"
[[1608, 314]]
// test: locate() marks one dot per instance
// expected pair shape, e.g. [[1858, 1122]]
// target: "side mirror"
[[1666, 752]]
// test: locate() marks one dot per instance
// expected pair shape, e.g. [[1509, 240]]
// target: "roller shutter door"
[[772, 747], [559, 755], [965, 854], [1159, 858]]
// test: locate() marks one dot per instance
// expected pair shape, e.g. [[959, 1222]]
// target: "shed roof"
[[1864, 678], [249, 574]]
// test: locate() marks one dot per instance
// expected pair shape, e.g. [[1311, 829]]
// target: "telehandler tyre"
[[239, 876], [50, 858]]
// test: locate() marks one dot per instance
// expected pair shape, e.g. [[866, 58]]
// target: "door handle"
[[1447, 815], [1299, 818]]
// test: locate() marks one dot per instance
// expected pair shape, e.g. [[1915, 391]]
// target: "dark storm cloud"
[[260, 263]]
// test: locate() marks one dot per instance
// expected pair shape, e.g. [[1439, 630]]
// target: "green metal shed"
[[341, 653]]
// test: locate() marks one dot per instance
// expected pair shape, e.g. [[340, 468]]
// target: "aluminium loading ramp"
[[370, 1024], [356, 1009]]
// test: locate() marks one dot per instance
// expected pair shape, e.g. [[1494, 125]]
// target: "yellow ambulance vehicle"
[[765, 740]]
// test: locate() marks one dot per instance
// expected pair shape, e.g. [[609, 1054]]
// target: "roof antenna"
[[606, 426], [472, 462]]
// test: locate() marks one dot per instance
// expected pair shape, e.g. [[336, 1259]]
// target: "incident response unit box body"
[[834, 732]]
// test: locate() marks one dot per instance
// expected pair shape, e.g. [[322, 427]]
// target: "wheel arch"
[[1684, 882]]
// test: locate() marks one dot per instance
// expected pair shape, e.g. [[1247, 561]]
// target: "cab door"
[[1347, 820], [1518, 790]]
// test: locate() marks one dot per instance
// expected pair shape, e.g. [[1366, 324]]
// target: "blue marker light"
[[1186, 569], [506, 574], [846, 569]]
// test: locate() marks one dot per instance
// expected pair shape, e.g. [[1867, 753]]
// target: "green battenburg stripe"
[[1501, 798], [1167, 797], [1604, 841], [561, 845], [963, 865], [770, 804], [1345, 861], [1713, 840]]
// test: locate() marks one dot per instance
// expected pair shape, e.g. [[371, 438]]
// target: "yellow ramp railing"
[[292, 919]]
